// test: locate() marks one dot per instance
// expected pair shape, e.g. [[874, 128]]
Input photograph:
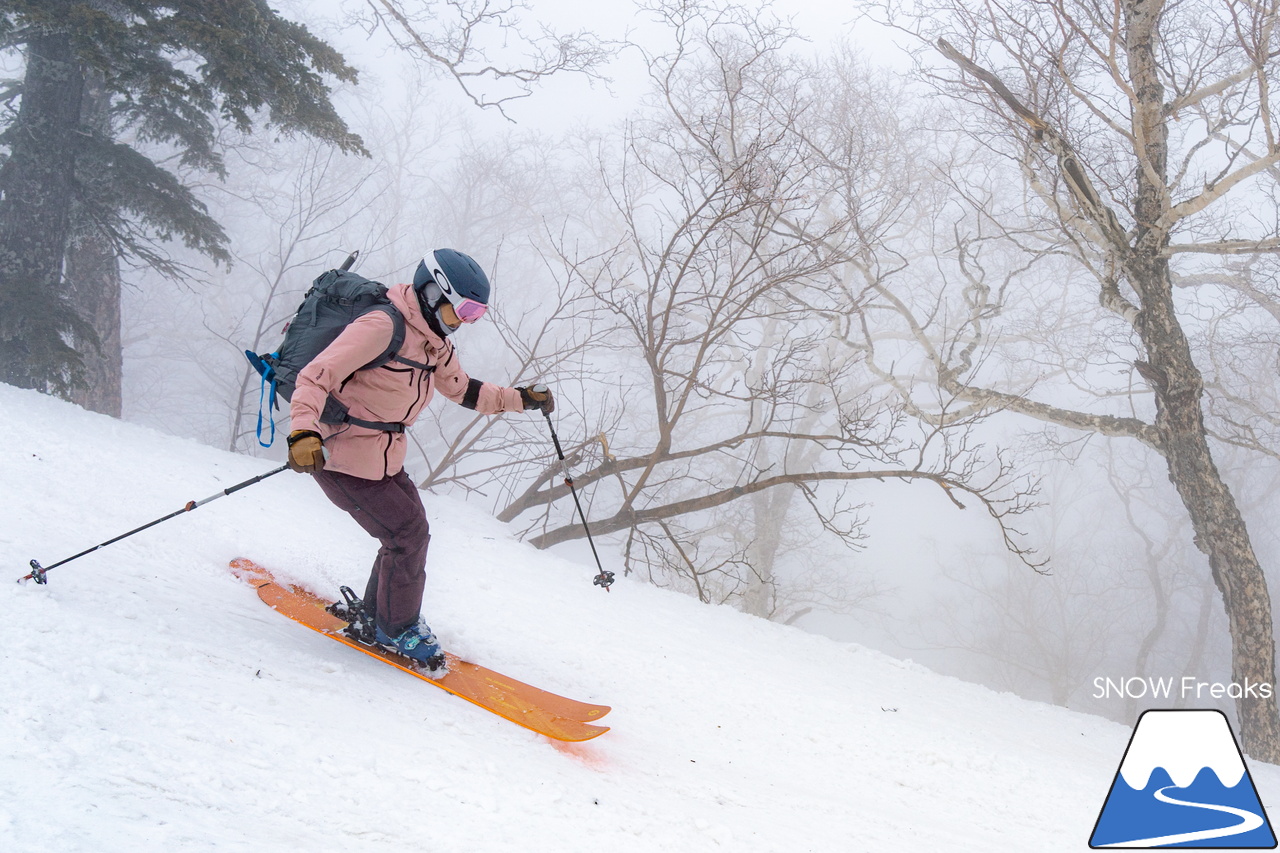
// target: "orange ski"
[[538, 710]]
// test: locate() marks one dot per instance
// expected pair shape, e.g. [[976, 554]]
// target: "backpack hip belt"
[[337, 414]]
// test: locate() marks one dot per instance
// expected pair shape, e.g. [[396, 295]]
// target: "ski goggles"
[[468, 310]]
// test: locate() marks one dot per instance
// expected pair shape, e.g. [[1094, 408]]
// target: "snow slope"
[[150, 702]]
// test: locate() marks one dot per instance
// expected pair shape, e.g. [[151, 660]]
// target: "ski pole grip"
[[541, 393]]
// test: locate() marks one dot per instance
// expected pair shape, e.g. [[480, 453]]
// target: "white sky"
[[566, 102]]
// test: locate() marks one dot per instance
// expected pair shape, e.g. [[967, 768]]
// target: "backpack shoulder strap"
[[397, 336], [429, 368], [392, 352]]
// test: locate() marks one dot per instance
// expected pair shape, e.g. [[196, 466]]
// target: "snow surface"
[[150, 702]]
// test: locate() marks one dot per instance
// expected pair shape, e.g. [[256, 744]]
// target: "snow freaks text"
[[1187, 687]]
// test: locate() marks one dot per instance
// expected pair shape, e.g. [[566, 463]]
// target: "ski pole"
[[604, 579], [39, 573]]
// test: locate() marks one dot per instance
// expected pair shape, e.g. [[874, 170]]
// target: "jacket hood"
[[406, 300]]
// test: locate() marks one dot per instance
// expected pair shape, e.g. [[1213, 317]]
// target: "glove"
[[306, 452], [538, 397]]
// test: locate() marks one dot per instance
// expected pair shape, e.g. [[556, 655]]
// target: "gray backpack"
[[334, 301]]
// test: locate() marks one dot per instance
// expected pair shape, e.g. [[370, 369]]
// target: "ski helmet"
[[452, 276]]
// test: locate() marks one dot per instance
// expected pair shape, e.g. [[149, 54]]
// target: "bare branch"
[[1215, 191], [452, 38], [1077, 179]]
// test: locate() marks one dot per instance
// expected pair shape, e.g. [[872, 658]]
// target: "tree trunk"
[[1220, 530], [1179, 387], [768, 517], [35, 214], [93, 285]]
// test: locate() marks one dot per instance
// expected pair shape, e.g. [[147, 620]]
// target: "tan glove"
[[306, 452], [538, 397]]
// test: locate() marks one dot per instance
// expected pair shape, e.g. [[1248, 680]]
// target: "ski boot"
[[419, 645]]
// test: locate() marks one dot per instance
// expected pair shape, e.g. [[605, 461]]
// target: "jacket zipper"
[[386, 452], [418, 391]]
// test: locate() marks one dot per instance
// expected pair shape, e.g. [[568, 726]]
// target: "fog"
[[830, 341]]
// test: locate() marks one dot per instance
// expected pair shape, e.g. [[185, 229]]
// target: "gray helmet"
[[455, 273], [447, 275]]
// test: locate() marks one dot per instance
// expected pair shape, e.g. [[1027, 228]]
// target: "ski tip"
[[250, 572]]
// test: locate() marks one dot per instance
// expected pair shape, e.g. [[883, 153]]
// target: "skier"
[[359, 418]]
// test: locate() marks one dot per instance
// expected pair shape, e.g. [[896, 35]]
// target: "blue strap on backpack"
[[336, 299], [266, 394]]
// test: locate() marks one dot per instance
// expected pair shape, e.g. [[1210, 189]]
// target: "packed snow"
[[150, 702]]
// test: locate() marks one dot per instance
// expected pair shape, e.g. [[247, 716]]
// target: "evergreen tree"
[[157, 73]]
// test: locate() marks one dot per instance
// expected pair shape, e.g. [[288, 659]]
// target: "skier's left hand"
[[538, 397]]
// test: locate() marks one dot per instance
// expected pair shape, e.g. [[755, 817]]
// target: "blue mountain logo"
[[1183, 783]]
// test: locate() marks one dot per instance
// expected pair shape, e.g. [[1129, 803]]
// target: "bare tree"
[[461, 37], [1127, 597], [327, 196], [496, 200], [733, 230], [1139, 127], [292, 210], [1238, 303]]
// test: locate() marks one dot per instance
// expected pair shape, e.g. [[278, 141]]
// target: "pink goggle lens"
[[468, 310]]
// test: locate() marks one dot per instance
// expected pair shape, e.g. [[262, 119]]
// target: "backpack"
[[334, 301]]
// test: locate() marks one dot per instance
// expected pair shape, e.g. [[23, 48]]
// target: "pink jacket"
[[393, 393]]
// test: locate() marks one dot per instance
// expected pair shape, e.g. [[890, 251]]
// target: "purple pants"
[[390, 511]]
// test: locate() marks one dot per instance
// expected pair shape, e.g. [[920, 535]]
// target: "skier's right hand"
[[306, 452]]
